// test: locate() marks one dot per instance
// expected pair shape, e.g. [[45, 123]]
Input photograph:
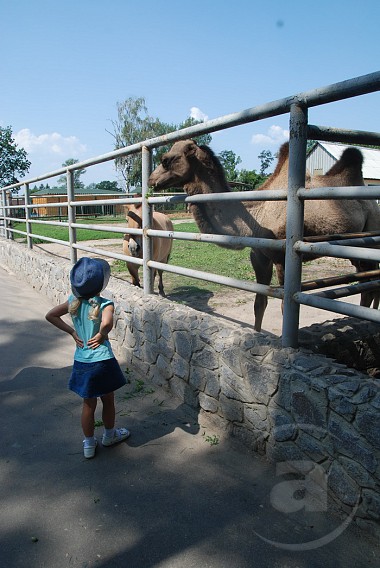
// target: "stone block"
[[283, 427], [342, 485], [207, 403], [180, 367], [212, 387], [182, 344], [231, 356], [197, 377], [357, 473], [368, 424], [150, 352], [262, 381], [347, 441], [166, 348], [308, 407], [256, 416], [206, 358], [283, 451], [235, 387], [164, 368], [371, 503], [316, 450], [230, 410], [184, 392]]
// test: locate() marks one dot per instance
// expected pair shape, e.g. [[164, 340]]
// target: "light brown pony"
[[197, 170], [132, 244]]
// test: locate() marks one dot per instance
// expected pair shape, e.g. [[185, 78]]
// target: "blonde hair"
[[93, 314]]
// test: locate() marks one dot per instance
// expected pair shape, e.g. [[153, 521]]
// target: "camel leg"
[[263, 268], [280, 272], [366, 298], [134, 272]]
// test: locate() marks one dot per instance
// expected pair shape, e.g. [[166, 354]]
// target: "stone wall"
[[292, 405]]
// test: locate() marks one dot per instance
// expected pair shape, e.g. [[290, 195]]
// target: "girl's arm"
[[54, 316], [105, 327]]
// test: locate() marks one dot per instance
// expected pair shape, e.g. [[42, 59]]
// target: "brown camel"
[[197, 170], [132, 244]]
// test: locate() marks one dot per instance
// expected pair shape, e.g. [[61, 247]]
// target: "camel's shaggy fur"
[[132, 244], [198, 171]]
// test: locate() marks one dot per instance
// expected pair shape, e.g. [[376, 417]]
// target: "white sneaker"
[[119, 435], [89, 451]]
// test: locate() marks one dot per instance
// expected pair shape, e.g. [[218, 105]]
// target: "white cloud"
[[53, 144], [197, 114], [47, 152], [275, 135]]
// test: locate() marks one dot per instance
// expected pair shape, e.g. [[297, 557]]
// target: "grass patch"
[[62, 233], [137, 389], [205, 257]]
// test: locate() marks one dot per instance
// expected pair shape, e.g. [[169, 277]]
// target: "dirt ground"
[[232, 304]]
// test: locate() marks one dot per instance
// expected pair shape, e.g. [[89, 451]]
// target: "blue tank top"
[[87, 328]]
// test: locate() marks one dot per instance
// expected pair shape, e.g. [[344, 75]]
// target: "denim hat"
[[89, 276]]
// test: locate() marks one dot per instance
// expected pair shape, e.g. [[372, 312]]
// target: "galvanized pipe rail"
[[300, 131]]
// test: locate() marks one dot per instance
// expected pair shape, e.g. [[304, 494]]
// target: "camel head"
[[188, 165]]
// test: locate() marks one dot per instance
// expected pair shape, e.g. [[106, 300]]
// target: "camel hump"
[[283, 155], [351, 158]]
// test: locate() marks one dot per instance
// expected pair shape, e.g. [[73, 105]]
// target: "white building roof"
[[371, 156]]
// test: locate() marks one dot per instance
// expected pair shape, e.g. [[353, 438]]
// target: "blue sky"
[[65, 64]]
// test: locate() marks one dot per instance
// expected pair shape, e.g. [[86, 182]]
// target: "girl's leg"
[[88, 416], [111, 436], [108, 413]]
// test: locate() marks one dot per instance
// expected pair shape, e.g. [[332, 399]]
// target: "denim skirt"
[[91, 380]]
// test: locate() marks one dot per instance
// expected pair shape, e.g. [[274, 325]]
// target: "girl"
[[96, 373]]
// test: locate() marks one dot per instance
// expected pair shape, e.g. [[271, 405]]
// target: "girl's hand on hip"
[[77, 339], [96, 341]]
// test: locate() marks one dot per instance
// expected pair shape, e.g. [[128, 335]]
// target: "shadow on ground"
[[167, 497]]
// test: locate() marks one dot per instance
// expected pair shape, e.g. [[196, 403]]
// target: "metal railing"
[[295, 194]]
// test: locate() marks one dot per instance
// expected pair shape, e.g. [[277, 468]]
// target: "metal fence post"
[[8, 213], [2, 214], [294, 222], [28, 224], [71, 215], [147, 218]]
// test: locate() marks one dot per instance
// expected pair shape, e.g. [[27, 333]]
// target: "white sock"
[[109, 432], [89, 441]]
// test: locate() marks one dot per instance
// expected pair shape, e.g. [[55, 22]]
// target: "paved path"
[[167, 498]]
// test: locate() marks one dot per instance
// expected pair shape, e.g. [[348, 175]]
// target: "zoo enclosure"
[[350, 246]]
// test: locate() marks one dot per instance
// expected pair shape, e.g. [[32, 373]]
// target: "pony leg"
[[263, 268], [161, 284], [134, 272]]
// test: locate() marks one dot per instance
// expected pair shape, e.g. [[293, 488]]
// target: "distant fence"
[[294, 245]]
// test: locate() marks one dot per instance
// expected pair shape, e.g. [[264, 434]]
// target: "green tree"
[[230, 161], [266, 157], [107, 186], [78, 184], [310, 145], [251, 178], [13, 160], [133, 125]]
